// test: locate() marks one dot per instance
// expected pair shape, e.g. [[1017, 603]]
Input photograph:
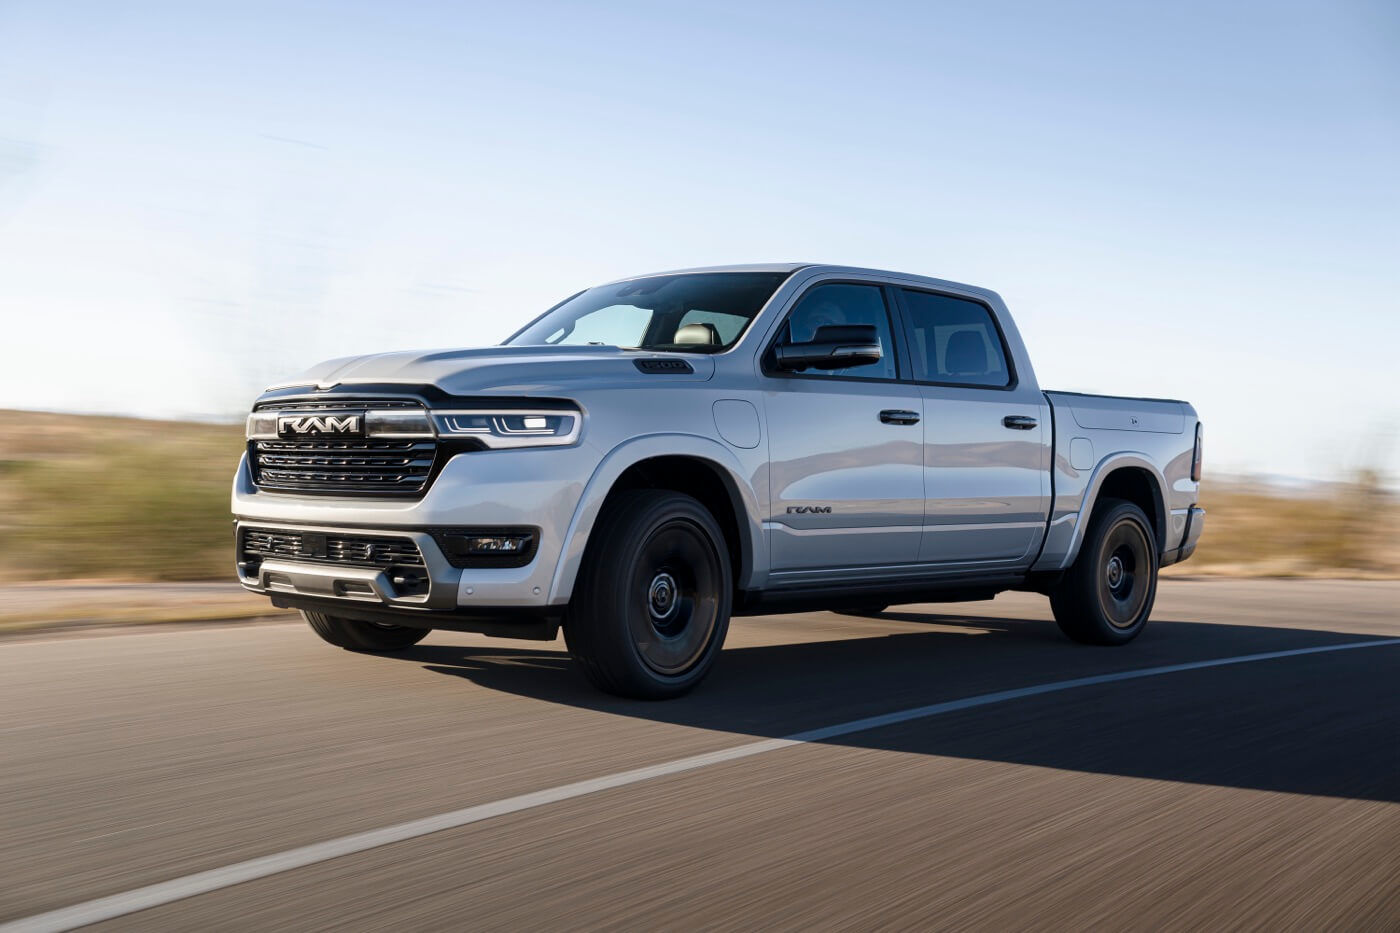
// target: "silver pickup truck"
[[653, 455]]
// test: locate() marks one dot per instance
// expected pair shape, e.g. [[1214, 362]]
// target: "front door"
[[846, 450]]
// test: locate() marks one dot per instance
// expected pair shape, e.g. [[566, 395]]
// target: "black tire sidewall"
[[355, 635], [597, 630], [1078, 607]]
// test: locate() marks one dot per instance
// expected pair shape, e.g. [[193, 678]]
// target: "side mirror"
[[833, 346]]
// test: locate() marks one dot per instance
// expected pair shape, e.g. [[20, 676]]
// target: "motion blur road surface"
[[1264, 793]]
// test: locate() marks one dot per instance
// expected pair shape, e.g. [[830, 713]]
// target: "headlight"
[[516, 428], [262, 424]]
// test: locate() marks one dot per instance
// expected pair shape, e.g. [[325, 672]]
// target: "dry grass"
[[115, 498], [127, 499], [1339, 530]]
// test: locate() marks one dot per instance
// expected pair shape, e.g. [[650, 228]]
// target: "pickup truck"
[[651, 456]]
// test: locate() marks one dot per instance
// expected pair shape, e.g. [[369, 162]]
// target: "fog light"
[[469, 547], [512, 544]]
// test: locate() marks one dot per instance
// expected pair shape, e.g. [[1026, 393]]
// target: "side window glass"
[[843, 304], [954, 340]]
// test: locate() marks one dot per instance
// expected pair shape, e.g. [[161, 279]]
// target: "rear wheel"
[[1107, 595], [355, 635], [652, 605]]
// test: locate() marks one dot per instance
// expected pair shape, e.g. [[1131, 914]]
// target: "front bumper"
[[388, 586], [430, 595], [493, 489], [435, 586]]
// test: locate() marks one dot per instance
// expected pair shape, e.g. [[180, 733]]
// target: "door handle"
[[899, 416], [1019, 422]]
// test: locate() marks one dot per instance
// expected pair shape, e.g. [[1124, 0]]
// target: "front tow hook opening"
[[408, 582]]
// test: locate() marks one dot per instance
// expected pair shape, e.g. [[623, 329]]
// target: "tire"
[[1107, 595], [651, 609], [355, 635]]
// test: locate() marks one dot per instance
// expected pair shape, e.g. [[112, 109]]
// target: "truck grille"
[[350, 466], [257, 544], [347, 466]]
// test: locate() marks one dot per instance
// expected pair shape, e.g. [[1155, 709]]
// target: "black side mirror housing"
[[833, 346]]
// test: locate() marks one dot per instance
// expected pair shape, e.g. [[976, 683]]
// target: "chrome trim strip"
[[263, 424]]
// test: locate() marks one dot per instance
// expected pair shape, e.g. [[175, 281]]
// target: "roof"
[[738, 267], [789, 267]]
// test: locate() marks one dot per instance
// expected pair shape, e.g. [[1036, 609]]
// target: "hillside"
[[115, 498]]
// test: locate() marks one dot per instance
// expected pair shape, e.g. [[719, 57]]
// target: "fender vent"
[[664, 367]]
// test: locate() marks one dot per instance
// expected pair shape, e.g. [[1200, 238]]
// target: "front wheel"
[[1107, 595], [652, 605], [355, 635]]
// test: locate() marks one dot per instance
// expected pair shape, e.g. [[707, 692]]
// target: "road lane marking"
[[165, 892]]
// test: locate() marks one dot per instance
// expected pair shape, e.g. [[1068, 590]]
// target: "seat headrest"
[[965, 355], [705, 334]]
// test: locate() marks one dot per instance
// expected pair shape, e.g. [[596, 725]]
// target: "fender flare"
[[1111, 463], [631, 452]]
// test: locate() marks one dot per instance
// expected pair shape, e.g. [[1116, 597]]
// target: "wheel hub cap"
[[1115, 571], [661, 598]]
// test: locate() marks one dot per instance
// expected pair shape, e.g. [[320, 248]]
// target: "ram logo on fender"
[[291, 425], [809, 510]]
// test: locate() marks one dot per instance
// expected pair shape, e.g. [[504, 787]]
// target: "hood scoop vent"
[[664, 367]]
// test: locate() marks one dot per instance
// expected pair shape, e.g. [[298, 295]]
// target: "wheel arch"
[[697, 466], [1134, 478]]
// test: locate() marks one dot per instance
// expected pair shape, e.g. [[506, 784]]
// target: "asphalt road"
[[1262, 794]]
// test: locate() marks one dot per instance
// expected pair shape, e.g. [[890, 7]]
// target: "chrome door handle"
[[1019, 422], [899, 416]]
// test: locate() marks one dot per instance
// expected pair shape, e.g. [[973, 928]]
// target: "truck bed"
[[1122, 413]]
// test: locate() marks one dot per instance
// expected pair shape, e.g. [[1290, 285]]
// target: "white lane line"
[[127, 902]]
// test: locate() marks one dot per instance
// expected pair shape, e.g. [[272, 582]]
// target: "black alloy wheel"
[[1106, 597], [651, 608]]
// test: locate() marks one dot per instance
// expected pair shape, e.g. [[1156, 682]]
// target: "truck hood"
[[542, 371]]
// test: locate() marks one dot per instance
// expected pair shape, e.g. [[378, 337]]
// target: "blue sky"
[[1189, 200]]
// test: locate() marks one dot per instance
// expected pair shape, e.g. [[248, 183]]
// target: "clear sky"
[[1196, 200]]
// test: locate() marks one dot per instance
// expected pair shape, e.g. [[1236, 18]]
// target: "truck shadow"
[[1320, 724]]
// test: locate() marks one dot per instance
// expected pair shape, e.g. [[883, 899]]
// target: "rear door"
[[846, 448], [987, 437]]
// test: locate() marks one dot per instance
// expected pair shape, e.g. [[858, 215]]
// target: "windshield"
[[703, 312]]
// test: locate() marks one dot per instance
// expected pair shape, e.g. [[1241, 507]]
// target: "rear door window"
[[955, 341]]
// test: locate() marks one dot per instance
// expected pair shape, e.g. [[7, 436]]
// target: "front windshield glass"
[[703, 312]]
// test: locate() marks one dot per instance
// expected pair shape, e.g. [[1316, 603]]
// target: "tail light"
[[1196, 456]]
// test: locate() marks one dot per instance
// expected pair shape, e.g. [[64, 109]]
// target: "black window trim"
[[902, 361], [906, 317]]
